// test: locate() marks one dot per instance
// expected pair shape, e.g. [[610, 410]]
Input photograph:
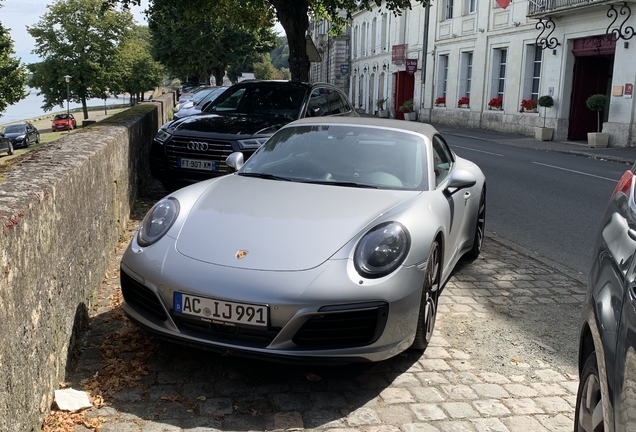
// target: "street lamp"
[[105, 96], [68, 110]]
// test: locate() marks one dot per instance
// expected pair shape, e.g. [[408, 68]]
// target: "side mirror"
[[235, 161], [314, 112], [459, 179]]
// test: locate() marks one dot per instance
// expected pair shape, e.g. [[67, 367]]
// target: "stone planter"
[[534, 110], [383, 113], [463, 106], [597, 139], [492, 108], [410, 116], [441, 105], [543, 133]]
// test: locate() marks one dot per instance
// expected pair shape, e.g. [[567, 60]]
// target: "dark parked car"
[[5, 145], [606, 398], [63, 122], [241, 119], [21, 134]]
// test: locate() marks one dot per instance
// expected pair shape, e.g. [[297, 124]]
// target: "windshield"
[[270, 99], [200, 95], [61, 117], [212, 95], [356, 156], [13, 129]]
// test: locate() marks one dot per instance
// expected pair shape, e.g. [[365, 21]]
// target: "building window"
[[442, 76], [449, 9], [466, 74], [499, 63], [532, 72], [472, 6]]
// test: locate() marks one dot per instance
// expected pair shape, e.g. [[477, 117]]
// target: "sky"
[[17, 14]]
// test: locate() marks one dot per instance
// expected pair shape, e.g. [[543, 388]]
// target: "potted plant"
[[529, 105], [495, 103], [463, 102], [381, 111], [544, 133], [407, 109], [440, 101], [598, 103]]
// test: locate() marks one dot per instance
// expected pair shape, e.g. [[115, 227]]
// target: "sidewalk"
[[625, 155]]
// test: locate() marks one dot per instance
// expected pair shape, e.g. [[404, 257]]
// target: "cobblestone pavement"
[[503, 358]]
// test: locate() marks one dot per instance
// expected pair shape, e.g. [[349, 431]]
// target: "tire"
[[430, 295], [10, 151], [589, 416], [27, 143], [37, 139], [478, 240]]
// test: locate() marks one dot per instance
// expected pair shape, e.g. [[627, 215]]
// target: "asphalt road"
[[548, 202]]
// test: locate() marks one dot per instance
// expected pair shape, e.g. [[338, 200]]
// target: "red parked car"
[[63, 122]]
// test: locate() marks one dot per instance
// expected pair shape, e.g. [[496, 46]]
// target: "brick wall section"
[[63, 208]]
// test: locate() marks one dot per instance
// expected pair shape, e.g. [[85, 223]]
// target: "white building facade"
[[476, 51]]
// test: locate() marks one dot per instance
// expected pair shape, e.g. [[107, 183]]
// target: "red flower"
[[528, 104], [440, 100], [463, 101], [496, 102]]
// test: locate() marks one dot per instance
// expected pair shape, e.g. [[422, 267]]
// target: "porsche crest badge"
[[241, 254]]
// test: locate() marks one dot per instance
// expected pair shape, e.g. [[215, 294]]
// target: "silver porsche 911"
[[331, 243]]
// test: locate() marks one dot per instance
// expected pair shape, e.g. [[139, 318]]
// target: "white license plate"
[[197, 164], [220, 311]]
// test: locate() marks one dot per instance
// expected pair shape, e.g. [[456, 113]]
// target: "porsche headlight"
[[253, 143], [382, 250], [158, 221], [162, 135]]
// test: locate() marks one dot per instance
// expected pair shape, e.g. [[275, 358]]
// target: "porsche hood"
[[274, 225]]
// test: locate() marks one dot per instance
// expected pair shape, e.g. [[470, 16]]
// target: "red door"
[[404, 88], [594, 62]]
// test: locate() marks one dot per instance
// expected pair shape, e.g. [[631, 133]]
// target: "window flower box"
[[440, 102], [496, 104], [529, 105], [463, 102]]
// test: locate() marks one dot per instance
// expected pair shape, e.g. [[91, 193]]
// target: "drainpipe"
[[424, 54]]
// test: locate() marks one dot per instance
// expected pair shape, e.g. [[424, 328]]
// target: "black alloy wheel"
[[480, 227], [37, 138], [589, 415], [428, 304], [10, 151], [26, 143]]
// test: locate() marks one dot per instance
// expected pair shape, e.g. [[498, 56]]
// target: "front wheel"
[[478, 239], [10, 150], [589, 415], [428, 304], [26, 143]]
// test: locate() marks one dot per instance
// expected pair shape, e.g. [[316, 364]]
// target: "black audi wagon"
[[194, 148]]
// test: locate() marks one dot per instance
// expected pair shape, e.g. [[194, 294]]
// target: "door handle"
[[466, 195]]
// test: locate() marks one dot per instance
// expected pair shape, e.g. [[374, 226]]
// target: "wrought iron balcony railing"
[[540, 7]]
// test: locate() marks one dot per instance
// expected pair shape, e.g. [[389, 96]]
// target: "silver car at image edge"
[[331, 243], [606, 399]]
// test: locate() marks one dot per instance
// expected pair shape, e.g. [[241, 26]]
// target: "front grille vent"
[[216, 151], [255, 337], [141, 296], [335, 327]]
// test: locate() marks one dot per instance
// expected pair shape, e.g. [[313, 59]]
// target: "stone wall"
[[63, 208]]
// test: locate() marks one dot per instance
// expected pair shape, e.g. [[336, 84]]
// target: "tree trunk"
[[292, 15], [84, 107], [219, 74]]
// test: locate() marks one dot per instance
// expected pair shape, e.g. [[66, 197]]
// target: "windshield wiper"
[[341, 183], [264, 176]]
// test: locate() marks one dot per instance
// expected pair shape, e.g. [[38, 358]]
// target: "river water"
[[31, 106]]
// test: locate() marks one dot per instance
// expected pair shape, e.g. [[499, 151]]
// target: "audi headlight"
[[162, 135], [158, 221], [21, 137], [252, 143], [382, 250]]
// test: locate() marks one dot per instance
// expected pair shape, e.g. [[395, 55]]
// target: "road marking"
[[576, 172], [479, 151]]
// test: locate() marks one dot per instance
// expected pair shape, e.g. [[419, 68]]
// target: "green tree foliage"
[[77, 38], [293, 15], [203, 37], [280, 55], [13, 76], [134, 71]]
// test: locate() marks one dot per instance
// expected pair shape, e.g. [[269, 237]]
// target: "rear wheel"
[[478, 240], [589, 401], [428, 304]]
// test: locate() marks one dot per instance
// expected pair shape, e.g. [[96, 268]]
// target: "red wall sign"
[[411, 66], [629, 90]]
